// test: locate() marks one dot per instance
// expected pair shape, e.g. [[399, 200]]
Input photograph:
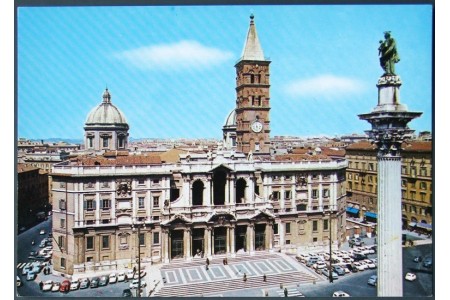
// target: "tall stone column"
[[268, 236], [187, 241], [165, 246], [208, 236], [228, 241], [232, 186], [389, 121], [232, 242], [251, 238]]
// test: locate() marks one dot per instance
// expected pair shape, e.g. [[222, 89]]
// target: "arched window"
[[197, 192], [241, 184]]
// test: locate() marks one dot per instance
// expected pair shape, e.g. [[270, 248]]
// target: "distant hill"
[[56, 140]]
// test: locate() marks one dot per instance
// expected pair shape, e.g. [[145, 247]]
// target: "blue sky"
[[171, 71]]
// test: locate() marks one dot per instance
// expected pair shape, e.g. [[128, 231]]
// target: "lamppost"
[[330, 269], [138, 226]]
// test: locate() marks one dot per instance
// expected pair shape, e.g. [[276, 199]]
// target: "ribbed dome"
[[106, 113], [231, 119]]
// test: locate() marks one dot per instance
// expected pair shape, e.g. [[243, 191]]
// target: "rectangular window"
[[423, 171], [413, 171], [423, 197], [315, 177], [288, 242], [62, 204], [155, 218], [412, 209], [413, 195], [404, 169], [155, 181], [105, 184], [349, 176], [141, 181], [404, 182], [287, 195], [288, 228], [370, 166], [325, 224], [275, 228], [155, 238], [356, 177], [63, 263], [141, 202], [403, 194], [62, 223], [370, 178], [315, 194], [105, 204], [156, 201], [62, 184], [315, 239], [89, 205], [276, 195], [61, 241], [142, 239], [403, 207], [105, 142], [105, 241], [356, 165], [287, 177], [326, 193], [423, 185], [314, 226], [89, 243], [257, 146]]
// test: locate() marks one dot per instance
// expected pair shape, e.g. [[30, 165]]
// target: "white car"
[[370, 263], [135, 282], [130, 274], [113, 278], [340, 294], [74, 285], [143, 273], [410, 276], [320, 265], [359, 267], [47, 286], [31, 275], [55, 287], [121, 277], [42, 232]]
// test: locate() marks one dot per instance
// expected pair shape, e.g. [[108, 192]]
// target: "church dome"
[[230, 121], [106, 113]]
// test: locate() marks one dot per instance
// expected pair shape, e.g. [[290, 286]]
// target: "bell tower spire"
[[252, 97]]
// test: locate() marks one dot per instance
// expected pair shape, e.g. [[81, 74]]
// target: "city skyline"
[[170, 70]]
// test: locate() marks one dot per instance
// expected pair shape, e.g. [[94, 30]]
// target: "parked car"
[[135, 282], [142, 274], [355, 242], [326, 272], [47, 286], [130, 274], [26, 269], [31, 275], [74, 285], [359, 267], [370, 263], [121, 277], [84, 283], [410, 276], [303, 258], [56, 286], [373, 280], [65, 286], [320, 265], [359, 256], [428, 262], [339, 270], [94, 282], [127, 293], [340, 294], [42, 232], [103, 280], [112, 278]]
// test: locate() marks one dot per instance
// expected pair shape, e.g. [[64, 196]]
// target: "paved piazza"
[[195, 279]]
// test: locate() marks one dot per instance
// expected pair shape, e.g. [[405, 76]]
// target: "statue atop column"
[[388, 54]]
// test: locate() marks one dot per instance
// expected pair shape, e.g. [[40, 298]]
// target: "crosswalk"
[[23, 265], [292, 292]]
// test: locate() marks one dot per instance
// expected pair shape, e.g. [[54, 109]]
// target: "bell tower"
[[252, 97]]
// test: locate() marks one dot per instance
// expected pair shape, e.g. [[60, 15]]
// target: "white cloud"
[[184, 54], [324, 86]]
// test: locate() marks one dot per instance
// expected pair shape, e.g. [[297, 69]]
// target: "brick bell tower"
[[252, 97]]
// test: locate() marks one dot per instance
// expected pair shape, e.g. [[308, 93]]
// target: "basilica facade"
[[116, 206]]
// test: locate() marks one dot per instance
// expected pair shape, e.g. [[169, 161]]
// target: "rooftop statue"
[[388, 54]]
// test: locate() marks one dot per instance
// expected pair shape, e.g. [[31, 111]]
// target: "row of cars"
[[342, 262], [95, 282]]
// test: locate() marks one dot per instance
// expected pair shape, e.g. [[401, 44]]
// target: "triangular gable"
[[221, 166], [177, 219], [263, 215]]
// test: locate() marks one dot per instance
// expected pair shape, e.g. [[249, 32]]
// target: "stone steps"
[[217, 260], [211, 287]]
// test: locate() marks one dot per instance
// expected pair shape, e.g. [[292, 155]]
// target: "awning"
[[412, 224], [370, 214], [425, 226], [352, 210]]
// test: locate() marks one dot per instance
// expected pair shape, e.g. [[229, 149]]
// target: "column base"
[[233, 255], [252, 253]]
